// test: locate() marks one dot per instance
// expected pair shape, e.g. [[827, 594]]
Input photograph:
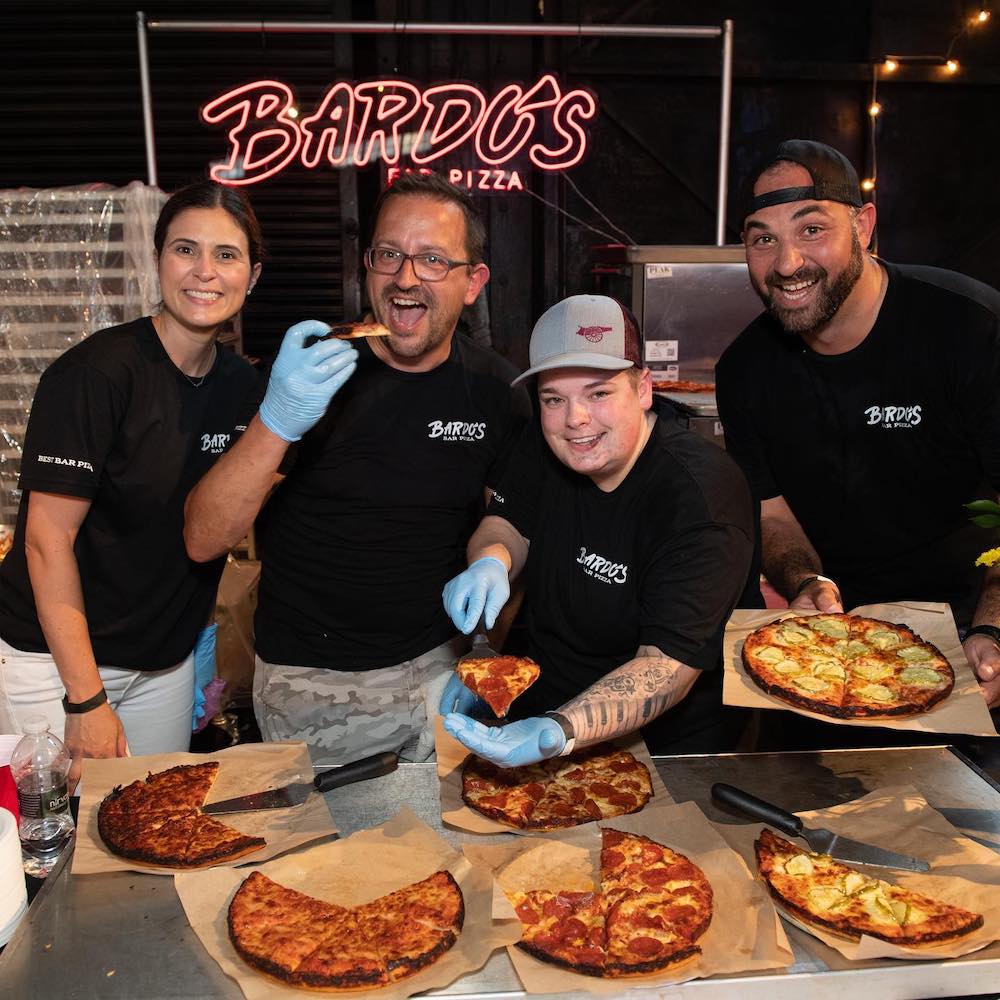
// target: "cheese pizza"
[[498, 680], [847, 667], [834, 897]]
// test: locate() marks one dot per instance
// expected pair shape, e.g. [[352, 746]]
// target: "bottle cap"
[[34, 724]]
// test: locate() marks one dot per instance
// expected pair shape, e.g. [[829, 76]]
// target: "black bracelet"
[[990, 631], [567, 727], [84, 706], [810, 579]]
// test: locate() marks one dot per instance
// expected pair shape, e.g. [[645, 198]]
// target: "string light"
[[981, 18], [868, 184], [874, 108], [890, 65], [951, 66]]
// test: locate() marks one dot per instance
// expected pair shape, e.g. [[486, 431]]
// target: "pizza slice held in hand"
[[498, 680]]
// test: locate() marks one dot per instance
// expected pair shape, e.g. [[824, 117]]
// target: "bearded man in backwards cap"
[[864, 407]]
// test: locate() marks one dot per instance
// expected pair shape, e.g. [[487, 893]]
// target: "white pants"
[[154, 705]]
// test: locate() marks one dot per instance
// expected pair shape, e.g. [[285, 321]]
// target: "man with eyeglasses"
[[379, 455]]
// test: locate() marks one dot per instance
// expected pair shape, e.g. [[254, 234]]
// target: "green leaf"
[[983, 507], [987, 520]]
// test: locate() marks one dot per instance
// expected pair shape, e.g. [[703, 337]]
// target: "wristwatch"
[[84, 706], [812, 579], [990, 631], [567, 727]]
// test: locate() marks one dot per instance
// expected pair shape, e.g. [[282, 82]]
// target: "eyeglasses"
[[426, 266]]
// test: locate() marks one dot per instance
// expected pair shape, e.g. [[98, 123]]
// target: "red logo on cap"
[[595, 334]]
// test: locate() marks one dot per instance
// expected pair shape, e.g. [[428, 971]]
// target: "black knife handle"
[[359, 770], [758, 808]]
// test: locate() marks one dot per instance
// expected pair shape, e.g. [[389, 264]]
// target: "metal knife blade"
[[297, 792], [820, 841]]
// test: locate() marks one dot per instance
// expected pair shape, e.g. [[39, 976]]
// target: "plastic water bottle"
[[40, 763]]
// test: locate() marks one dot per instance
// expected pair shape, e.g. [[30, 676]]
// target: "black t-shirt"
[[660, 560], [116, 422], [379, 501], [876, 450]]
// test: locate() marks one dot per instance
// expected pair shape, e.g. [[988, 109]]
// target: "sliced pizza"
[[498, 680]]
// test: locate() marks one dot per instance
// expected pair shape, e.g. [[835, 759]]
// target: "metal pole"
[[724, 117], [147, 99], [441, 28]]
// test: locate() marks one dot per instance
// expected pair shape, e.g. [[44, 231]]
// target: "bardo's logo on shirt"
[[892, 417], [215, 443], [595, 334], [73, 463], [602, 569], [456, 430]]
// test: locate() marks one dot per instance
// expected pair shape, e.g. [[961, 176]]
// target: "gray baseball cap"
[[584, 331]]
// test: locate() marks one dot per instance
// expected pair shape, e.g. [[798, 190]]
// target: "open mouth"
[[202, 296], [585, 444], [404, 313], [793, 292]]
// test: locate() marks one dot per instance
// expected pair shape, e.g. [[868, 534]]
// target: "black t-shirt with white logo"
[[379, 501], [114, 421], [876, 450], [661, 560]]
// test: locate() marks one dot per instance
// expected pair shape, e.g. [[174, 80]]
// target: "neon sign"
[[397, 122]]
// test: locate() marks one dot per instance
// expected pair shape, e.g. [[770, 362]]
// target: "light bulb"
[[982, 17], [874, 109], [868, 184], [890, 65], [951, 65], [293, 112]]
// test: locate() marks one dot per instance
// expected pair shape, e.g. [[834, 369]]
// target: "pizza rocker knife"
[[819, 841], [295, 794]]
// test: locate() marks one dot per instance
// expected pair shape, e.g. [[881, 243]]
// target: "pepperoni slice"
[[612, 838], [601, 788], [623, 799], [504, 668], [642, 919], [557, 906], [611, 859], [493, 800], [646, 947], [577, 795], [596, 937], [547, 942], [535, 790], [562, 809], [622, 766], [655, 876], [593, 809], [576, 774], [651, 853], [588, 956], [527, 914], [679, 913], [573, 927]]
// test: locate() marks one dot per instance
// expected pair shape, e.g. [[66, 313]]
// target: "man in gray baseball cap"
[[863, 405], [635, 537]]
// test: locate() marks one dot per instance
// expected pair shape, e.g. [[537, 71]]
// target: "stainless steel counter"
[[126, 936]]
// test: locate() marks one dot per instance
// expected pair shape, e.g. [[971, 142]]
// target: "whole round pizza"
[[653, 905], [847, 667], [596, 783]]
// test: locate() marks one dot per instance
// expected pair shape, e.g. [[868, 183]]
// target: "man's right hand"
[[97, 733], [304, 380], [482, 589], [819, 595]]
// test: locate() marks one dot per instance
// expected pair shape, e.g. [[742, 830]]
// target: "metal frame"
[[723, 31]]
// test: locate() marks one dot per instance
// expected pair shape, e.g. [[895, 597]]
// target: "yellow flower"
[[989, 558]]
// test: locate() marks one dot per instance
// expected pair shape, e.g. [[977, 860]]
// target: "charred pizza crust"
[[498, 680], [596, 783], [306, 942], [836, 898], [847, 666], [637, 924], [159, 821]]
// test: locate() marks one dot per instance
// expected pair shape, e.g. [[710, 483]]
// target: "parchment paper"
[[349, 872], [451, 753], [962, 872], [254, 767], [963, 711], [745, 932]]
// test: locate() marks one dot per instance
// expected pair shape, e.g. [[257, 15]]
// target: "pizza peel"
[[295, 794], [820, 841]]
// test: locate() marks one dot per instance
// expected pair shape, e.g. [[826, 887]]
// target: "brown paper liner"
[[963, 711], [745, 933], [243, 769], [451, 753], [349, 872], [962, 872]]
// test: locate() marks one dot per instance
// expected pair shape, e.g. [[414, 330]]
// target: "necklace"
[[196, 382]]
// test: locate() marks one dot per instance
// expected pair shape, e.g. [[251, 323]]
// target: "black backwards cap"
[[833, 176]]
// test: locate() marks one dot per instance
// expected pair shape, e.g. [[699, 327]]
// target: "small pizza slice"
[[183, 785], [498, 680], [834, 897], [354, 331], [641, 937], [342, 959], [414, 926], [563, 928], [213, 841]]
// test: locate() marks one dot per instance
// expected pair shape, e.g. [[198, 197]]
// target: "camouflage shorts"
[[352, 714]]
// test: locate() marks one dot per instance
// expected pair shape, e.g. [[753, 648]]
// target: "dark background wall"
[[70, 113]]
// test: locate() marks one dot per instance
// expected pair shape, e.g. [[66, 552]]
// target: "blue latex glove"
[[456, 697], [518, 743], [482, 587], [204, 670], [304, 379]]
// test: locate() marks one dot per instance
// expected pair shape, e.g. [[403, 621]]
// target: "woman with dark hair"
[[100, 607]]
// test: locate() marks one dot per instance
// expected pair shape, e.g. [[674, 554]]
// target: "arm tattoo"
[[629, 697]]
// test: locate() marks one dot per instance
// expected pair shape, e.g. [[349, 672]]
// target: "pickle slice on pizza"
[[498, 680]]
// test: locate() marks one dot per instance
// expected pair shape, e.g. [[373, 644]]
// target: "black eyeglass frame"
[[413, 258]]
